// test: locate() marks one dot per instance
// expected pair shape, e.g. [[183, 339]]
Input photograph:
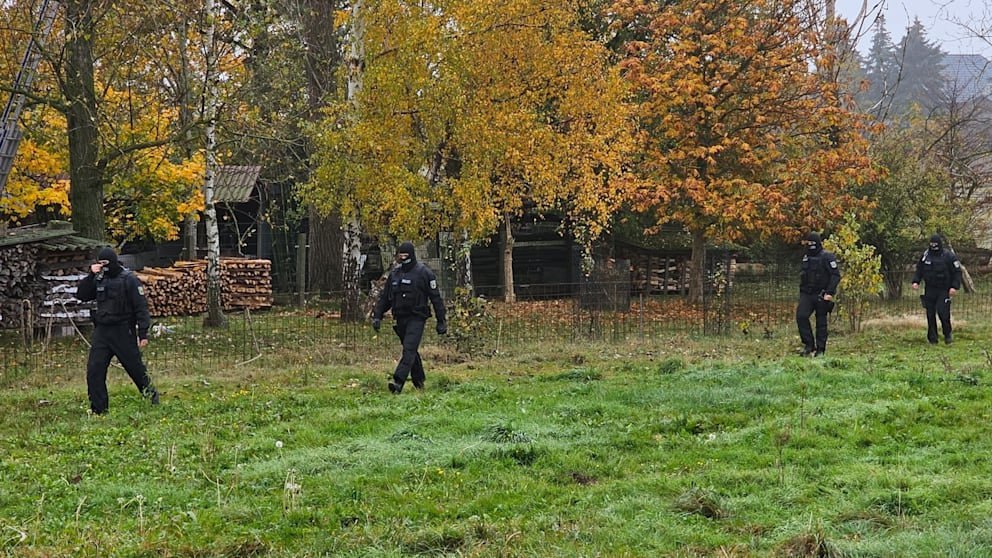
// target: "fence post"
[[301, 267]]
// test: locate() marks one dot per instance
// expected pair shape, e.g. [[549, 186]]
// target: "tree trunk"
[[506, 240], [352, 252], [215, 313], [322, 62], [186, 120], [85, 173], [697, 267], [189, 238], [351, 306]]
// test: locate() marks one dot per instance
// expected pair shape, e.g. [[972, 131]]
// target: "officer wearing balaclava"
[[410, 286], [817, 287], [940, 269], [120, 329]]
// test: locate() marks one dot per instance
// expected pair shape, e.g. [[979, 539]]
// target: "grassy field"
[[674, 446]]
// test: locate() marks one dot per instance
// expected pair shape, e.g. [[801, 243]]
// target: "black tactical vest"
[[815, 276], [936, 272], [112, 303]]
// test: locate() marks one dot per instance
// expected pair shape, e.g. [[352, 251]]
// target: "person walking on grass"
[[121, 323], [817, 287], [409, 288], [940, 270]]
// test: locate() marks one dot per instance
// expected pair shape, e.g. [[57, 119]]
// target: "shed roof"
[[234, 184], [72, 243], [36, 233]]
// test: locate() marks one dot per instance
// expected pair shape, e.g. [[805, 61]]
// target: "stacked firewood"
[[246, 283], [181, 290], [18, 284], [654, 274]]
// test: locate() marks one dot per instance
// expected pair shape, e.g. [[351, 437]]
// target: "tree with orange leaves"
[[741, 136]]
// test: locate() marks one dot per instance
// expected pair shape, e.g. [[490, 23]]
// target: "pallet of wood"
[[181, 290]]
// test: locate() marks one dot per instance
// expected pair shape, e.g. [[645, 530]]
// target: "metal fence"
[[753, 303]]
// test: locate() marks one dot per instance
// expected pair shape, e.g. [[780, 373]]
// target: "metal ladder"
[[10, 134]]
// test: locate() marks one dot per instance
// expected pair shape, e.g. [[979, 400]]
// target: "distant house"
[[968, 77]]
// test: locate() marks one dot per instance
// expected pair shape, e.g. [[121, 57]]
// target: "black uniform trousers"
[[938, 305], [808, 305], [410, 330], [110, 341]]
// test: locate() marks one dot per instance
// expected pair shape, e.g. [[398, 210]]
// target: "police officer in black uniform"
[[941, 270], [409, 287], [121, 328], [817, 287]]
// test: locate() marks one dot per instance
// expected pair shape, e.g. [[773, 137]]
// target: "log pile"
[[245, 283], [18, 282], [659, 275], [181, 290]]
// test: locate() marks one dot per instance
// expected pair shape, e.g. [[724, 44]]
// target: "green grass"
[[673, 446]]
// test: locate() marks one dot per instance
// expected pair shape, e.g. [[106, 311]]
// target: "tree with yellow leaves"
[[118, 114], [468, 112], [741, 136], [38, 181]]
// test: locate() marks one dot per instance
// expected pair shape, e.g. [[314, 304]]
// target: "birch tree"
[[215, 313]]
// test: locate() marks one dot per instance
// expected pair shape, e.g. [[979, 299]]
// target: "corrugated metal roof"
[[234, 184]]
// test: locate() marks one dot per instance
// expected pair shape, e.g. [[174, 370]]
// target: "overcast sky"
[[942, 19]]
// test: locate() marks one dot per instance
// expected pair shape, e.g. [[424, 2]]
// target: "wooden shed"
[[241, 205]]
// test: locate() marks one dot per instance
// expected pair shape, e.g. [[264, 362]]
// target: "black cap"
[[814, 237]]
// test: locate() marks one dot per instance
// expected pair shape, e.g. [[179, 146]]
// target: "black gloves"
[[376, 323], [442, 328]]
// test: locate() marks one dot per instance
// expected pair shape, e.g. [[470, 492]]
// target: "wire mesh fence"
[[755, 302]]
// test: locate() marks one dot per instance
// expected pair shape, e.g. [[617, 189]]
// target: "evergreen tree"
[[881, 73], [921, 81]]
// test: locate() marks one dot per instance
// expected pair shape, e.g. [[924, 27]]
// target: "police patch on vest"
[[141, 290], [957, 264], [434, 284], [833, 264]]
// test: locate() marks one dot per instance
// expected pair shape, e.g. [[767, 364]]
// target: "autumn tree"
[[741, 137], [104, 72], [468, 112]]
